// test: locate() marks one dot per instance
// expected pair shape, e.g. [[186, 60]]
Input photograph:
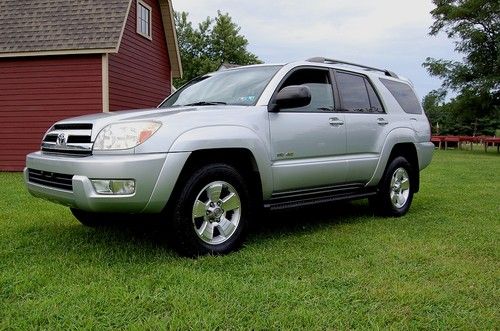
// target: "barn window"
[[143, 19]]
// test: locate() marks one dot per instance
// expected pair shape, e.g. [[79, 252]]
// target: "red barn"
[[64, 58]]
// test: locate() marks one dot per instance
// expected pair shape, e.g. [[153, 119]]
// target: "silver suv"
[[230, 142]]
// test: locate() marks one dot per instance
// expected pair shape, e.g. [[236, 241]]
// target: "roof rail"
[[333, 61]]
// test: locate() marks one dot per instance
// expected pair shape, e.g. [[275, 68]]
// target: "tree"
[[433, 105], [213, 42], [475, 26]]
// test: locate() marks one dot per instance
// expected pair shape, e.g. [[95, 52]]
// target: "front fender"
[[396, 136], [229, 136]]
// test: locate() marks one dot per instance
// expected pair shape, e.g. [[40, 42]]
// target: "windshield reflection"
[[241, 86]]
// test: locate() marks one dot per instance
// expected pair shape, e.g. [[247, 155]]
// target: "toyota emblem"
[[61, 139]]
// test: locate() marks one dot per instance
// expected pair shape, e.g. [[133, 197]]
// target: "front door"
[[308, 144]]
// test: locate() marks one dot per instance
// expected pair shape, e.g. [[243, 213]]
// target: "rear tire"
[[212, 212], [395, 189]]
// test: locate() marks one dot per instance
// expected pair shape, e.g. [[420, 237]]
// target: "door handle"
[[335, 121], [382, 121]]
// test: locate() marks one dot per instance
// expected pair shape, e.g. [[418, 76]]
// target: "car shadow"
[[151, 229], [147, 234], [305, 219]]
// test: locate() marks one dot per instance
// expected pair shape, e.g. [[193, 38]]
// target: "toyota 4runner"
[[232, 141]]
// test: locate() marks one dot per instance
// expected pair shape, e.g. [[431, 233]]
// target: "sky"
[[391, 34]]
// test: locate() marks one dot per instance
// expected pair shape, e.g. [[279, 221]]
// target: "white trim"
[[167, 13], [123, 27], [138, 21], [105, 83], [60, 52]]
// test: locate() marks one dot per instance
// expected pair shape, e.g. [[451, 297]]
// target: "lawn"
[[334, 267]]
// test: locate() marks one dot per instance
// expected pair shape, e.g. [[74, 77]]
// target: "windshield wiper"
[[206, 103]]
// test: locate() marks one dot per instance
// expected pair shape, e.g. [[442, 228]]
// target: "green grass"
[[334, 267]]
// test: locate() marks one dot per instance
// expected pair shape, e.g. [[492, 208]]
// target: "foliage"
[[467, 114], [475, 27], [475, 24], [215, 41], [333, 267]]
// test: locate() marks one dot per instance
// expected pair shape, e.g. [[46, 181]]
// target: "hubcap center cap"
[[218, 212], [214, 214]]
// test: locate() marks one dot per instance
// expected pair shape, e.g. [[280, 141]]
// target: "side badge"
[[285, 155]]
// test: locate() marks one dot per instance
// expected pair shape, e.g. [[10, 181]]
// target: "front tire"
[[212, 212], [396, 189]]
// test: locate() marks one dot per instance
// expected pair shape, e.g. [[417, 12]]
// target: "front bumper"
[[154, 174]]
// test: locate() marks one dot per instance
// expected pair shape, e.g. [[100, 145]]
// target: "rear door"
[[366, 123]]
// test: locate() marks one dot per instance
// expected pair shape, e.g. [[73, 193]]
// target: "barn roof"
[[51, 27]]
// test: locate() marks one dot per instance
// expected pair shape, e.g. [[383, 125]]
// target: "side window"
[[353, 93], [143, 19], [375, 105], [404, 95], [319, 83], [358, 94]]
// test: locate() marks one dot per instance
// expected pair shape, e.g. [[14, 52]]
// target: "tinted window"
[[404, 95], [357, 94], [353, 92], [318, 82], [375, 104]]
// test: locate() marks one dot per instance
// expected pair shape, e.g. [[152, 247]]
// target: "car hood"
[[99, 120], [117, 116], [178, 117]]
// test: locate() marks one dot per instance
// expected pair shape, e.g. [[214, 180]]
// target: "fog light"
[[114, 186]]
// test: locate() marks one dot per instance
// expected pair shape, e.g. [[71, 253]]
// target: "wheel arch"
[[240, 158], [235, 141], [399, 142]]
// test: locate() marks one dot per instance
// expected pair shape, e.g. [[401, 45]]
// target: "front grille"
[[73, 126], [69, 139], [52, 138], [51, 179], [79, 140]]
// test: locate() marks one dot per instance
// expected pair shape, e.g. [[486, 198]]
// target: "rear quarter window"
[[404, 95]]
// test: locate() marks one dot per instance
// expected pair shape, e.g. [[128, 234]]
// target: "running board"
[[293, 199]]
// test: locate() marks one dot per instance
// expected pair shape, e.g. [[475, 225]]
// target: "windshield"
[[233, 87]]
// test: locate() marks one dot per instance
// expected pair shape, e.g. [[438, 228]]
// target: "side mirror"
[[293, 96]]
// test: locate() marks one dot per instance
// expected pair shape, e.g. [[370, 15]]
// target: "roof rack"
[[333, 61]]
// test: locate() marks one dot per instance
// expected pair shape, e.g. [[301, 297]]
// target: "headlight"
[[125, 135]]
